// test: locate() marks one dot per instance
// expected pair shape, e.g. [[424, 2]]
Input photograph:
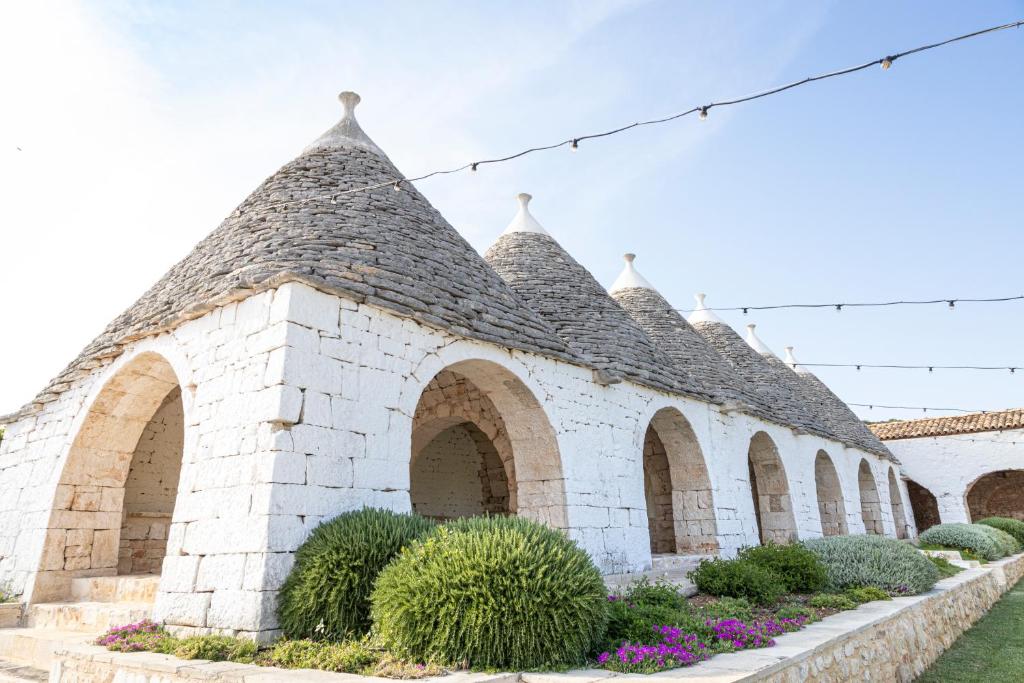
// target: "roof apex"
[[703, 314], [345, 133], [629, 278], [756, 343], [524, 220]]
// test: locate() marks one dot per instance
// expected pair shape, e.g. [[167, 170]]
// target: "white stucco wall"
[[299, 406], [948, 465]]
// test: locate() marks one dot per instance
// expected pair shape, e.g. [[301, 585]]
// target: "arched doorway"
[[677, 487], [997, 494], [870, 505], [899, 518], [118, 486], [481, 443], [924, 506], [831, 507], [769, 487]]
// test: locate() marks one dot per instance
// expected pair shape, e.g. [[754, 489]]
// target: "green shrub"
[[1014, 527], [832, 601], [657, 594], [945, 567], [871, 560], [729, 608], [1007, 543], [963, 536], [799, 568], [493, 592], [327, 593], [738, 579], [795, 611], [633, 615], [215, 648], [866, 594], [349, 656]]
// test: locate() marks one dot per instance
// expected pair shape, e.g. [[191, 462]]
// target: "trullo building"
[[324, 350]]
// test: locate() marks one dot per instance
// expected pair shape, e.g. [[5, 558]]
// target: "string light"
[[950, 303], [929, 368], [701, 111], [473, 167], [872, 406]]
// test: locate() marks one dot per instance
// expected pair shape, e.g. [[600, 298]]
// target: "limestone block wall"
[[299, 405], [948, 465]]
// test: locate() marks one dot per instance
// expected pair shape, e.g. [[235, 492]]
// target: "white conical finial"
[[346, 133], [792, 362], [756, 343], [703, 314], [629, 278], [524, 220]]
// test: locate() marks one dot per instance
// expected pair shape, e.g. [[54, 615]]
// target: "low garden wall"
[[889, 641]]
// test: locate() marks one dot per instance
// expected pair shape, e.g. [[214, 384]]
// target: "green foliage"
[[729, 608], [945, 567], [214, 648], [795, 611], [327, 593], [1014, 527], [738, 579], [799, 568], [657, 594], [349, 656], [832, 601], [866, 594], [871, 560], [963, 537], [494, 593], [1007, 543], [633, 615]]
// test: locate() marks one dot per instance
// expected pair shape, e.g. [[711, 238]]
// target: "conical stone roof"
[[836, 413], [381, 246], [673, 335], [786, 407], [589, 321]]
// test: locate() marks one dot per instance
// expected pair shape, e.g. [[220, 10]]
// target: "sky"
[[131, 129]]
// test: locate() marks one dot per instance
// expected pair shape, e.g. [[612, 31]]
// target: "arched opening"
[[117, 490], [899, 518], [923, 505], [831, 508], [677, 487], [769, 487], [870, 505], [997, 494], [481, 443]]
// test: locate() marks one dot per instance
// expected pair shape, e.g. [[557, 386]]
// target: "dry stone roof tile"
[[970, 423], [388, 248]]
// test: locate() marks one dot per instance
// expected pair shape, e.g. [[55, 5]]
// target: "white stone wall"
[[299, 406], [948, 465]]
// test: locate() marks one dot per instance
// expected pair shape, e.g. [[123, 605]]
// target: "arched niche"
[[769, 487], [899, 517], [831, 507], [870, 504]]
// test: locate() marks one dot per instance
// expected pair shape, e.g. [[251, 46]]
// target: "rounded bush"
[[963, 537], [327, 593], [494, 593], [1007, 544], [738, 579], [1014, 527], [869, 560], [800, 570]]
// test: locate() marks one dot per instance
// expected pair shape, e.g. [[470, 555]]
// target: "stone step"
[[86, 617], [14, 672], [128, 588], [34, 647], [677, 562]]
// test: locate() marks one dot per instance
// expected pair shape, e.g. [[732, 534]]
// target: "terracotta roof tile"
[[944, 426]]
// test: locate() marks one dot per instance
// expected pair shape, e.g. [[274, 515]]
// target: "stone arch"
[[899, 518], [870, 504], [831, 507], [997, 494], [923, 505], [87, 527], [773, 508], [481, 443], [677, 487]]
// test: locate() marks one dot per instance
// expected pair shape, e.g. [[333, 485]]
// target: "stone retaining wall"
[[879, 641]]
